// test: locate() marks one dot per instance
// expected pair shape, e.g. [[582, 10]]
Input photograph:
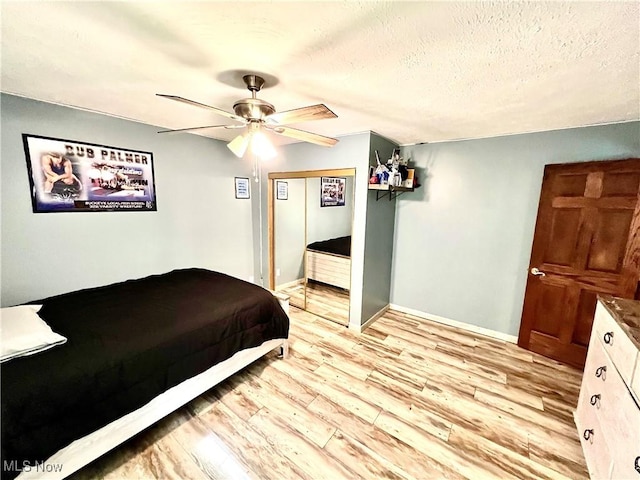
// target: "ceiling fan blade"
[[219, 111], [200, 128], [304, 114], [304, 135]]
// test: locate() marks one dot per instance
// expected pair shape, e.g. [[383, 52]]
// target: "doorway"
[[586, 243], [310, 220]]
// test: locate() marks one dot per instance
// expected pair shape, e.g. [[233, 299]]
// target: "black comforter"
[[336, 246], [127, 343]]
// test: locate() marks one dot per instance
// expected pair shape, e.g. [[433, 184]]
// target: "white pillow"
[[23, 332]]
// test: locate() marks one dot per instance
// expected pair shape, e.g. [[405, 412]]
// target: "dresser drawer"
[[620, 421], [608, 413], [592, 439], [616, 343], [605, 392], [627, 467], [597, 377], [635, 383]]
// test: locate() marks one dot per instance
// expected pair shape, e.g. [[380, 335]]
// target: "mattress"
[[127, 343], [335, 246]]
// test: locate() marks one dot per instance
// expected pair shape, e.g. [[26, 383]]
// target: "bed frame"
[[84, 450], [328, 268]]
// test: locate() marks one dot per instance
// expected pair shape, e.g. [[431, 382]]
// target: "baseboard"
[[300, 281], [454, 323], [375, 317]]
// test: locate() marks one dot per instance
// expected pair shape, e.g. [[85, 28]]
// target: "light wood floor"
[[406, 399], [327, 301]]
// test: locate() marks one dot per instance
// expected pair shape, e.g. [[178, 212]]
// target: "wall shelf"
[[384, 190]]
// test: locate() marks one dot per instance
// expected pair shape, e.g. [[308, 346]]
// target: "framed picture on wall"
[[332, 191], [282, 190], [242, 187], [72, 176]]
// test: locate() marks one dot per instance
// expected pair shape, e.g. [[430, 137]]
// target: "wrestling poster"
[[70, 176], [332, 191]]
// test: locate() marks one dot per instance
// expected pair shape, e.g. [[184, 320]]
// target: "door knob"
[[536, 272]]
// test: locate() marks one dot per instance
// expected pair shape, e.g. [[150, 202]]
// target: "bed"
[[329, 261], [136, 351]]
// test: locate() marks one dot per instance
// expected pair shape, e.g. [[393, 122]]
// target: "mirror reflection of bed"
[[328, 276], [311, 244]]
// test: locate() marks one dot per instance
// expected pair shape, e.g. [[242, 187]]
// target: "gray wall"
[[289, 232], [463, 240], [324, 223], [378, 250], [198, 223], [351, 152]]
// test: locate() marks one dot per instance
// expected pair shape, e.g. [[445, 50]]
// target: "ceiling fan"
[[259, 116]]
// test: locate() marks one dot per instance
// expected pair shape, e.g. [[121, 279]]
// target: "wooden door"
[[586, 242]]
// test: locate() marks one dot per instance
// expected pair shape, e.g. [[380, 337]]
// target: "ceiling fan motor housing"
[[253, 109]]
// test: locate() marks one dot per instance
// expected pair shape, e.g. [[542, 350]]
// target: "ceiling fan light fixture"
[[262, 147], [239, 145]]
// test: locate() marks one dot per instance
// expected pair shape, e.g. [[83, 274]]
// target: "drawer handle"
[[595, 399], [588, 433], [608, 338], [600, 372], [637, 464]]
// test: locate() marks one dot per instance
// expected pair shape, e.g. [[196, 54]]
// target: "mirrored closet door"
[[290, 239], [310, 239]]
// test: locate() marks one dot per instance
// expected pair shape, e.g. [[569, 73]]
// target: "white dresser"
[[608, 412]]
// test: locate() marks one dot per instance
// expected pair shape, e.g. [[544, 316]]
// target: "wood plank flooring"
[[327, 301], [406, 399]]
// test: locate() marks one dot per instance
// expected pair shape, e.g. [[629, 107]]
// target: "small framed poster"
[[332, 191], [282, 190], [242, 187]]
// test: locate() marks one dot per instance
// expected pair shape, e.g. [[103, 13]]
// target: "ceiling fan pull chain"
[[256, 168]]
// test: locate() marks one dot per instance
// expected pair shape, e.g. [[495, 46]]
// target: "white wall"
[[463, 240], [324, 223], [198, 223], [289, 238]]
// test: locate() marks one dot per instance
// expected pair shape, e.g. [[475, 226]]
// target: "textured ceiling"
[[411, 71]]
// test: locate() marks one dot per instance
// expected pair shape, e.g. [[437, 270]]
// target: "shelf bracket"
[[381, 194], [393, 194]]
